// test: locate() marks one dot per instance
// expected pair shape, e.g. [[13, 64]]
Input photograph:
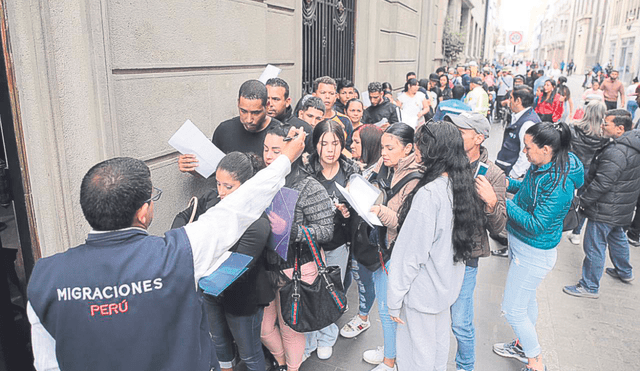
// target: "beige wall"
[[100, 78]]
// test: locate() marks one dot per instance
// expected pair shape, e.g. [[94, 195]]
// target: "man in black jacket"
[[610, 196], [380, 108]]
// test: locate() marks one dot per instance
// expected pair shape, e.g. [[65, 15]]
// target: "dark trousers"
[[611, 105], [634, 229]]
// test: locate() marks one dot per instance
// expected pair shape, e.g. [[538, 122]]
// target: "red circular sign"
[[515, 37]]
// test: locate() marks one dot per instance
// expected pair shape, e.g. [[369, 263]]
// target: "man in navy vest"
[[125, 300], [511, 159]]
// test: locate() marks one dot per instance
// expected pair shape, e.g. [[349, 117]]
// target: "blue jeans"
[[327, 336], [596, 238], [632, 106], [380, 280], [366, 288], [527, 268], [245, 330], [462, 322]]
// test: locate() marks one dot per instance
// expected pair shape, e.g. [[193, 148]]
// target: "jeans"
[[380, 280], [527, 268], [596, 238], [366, 288], [327, 336], [226, 328], [632, 106], [462, 322]]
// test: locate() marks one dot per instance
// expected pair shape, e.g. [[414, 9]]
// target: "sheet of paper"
[[269, 72], [190, 140], [361, 195]]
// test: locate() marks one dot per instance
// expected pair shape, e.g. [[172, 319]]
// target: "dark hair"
[[548, 97], [353, 100], [374, 87], [324, 80], [387, 86], [323, 127], [442, 151], [563, 89], [446, 77], [622, 118], [253, 90], [424, 83], [281, 130], [277, 82], [410, 74], [525, 94], [345, 84], [410, 82], [635, 80], [403, 132], [558, 137], [370, 136], [241, 166], [312, 102], [458, 91], [441, 69], [112, 191]]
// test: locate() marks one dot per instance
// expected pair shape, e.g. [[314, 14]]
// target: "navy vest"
[[510, 150], [124, 300]]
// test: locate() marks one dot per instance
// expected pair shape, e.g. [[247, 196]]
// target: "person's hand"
[[376, 209], [278, 225], [486, 192], [344, 210], [187, 163], [294, 148], [396, 319]]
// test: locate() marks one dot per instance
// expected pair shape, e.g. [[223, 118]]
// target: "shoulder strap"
[[409, 177]]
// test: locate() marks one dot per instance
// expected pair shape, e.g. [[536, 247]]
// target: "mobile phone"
[[482, 169]]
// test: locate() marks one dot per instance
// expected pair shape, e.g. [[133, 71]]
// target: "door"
[[328, 40]]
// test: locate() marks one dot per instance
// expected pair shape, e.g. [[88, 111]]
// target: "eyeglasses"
[[155, 195]]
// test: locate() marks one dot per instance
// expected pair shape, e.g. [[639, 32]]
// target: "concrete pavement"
[[575, 333]]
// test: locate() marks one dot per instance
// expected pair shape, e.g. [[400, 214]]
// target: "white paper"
[[269, 72], [190, 140], [361, 195]]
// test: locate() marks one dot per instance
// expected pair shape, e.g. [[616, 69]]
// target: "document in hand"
[[269, 72], [281, 213], [361, 195], [229, 268], [190, 140]]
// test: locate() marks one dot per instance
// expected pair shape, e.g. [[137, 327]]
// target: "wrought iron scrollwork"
[[309, 11], [340, 18]]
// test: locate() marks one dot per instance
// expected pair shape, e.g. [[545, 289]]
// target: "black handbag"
[[311, 307], [571, 219]]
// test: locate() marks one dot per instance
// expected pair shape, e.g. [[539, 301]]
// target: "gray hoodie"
[[422, 274]]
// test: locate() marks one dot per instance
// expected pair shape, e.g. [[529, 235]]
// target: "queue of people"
[[442, 200]]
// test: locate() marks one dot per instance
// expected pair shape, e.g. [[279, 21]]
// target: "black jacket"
[[613, 183], [584, 145], [374, 114], [288, 118]]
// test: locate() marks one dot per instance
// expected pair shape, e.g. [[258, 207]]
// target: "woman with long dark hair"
[[236, 315], [534, 223], [366, 147], [329, 166], [438, 221], [550, 103], [413, 104], [564, 90], [447, 93]]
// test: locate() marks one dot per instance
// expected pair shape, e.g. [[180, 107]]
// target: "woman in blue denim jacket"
[[535, 219]]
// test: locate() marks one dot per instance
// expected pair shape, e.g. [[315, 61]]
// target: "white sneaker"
[[325, 352], [574, 238], [383, 367], [374, 356], [354, 327]]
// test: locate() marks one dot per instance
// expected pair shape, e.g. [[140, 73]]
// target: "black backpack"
[[368, 244]]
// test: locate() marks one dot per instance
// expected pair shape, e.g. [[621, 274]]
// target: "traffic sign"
[[515, 37]]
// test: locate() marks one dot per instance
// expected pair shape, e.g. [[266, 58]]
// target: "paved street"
[[575, 334]]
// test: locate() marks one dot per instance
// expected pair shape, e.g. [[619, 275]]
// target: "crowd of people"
[[133, 300]]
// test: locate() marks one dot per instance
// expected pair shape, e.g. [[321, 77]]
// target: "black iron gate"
[[328, 45]]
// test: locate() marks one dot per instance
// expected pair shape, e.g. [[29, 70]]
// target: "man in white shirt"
[[477, 98]]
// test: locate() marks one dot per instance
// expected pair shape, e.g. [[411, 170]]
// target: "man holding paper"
[[243, 133], [125, 300]]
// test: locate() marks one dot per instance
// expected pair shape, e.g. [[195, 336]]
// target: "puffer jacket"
[[584, 145], [613, 182], [495, 221], [537, 211], [374, 114]]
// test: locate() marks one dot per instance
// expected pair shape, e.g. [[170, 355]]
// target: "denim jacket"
[[537, 211]]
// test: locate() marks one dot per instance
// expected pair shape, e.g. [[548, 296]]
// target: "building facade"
[[621, 44]]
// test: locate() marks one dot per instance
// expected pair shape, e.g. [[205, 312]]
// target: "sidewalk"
[[575, 333]]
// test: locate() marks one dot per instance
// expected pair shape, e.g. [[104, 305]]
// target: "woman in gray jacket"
[[438, 221]]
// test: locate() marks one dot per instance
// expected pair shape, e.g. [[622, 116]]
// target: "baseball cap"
[[471, 120], [434, 77], [476, 80]]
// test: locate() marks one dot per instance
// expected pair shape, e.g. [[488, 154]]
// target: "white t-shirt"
[[410, 108]]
